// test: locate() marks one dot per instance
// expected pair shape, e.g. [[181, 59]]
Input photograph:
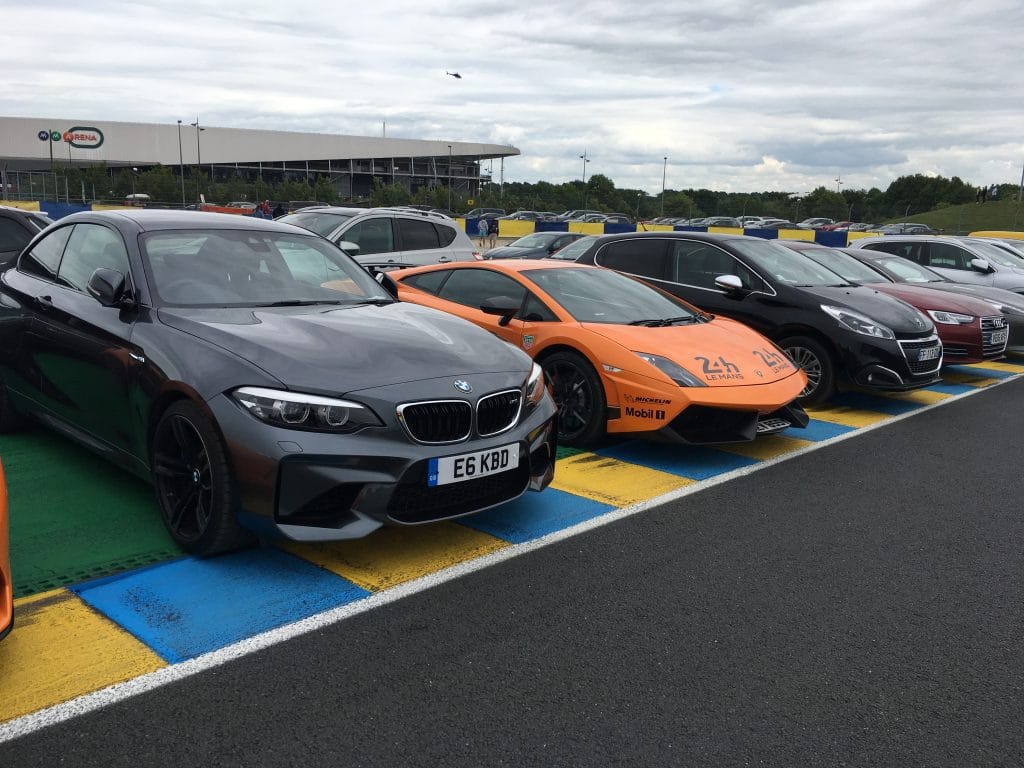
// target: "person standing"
[[492, 231], [481, 231]]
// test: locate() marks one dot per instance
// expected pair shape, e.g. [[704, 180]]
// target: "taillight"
[[478, 256]]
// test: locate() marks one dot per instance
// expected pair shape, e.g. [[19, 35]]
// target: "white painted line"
[[90, 702]]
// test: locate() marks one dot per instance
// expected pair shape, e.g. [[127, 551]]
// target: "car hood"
[[511, 252], [722, 352], [929, 298], [333, 350], [997, 296], [896, 315]]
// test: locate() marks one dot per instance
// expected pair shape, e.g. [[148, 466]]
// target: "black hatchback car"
[[17, 227], [834, 330], [263, 380]]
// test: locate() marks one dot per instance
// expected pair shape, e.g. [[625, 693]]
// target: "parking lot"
[[105, 599]]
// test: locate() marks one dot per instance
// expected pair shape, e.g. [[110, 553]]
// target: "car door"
[[954, 262], [81, 349]]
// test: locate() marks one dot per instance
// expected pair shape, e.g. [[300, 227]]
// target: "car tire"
[[810, 355], [195, 490], [10, 419], [579, 395]]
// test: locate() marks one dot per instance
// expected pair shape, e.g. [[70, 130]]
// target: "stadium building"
[[32, 148]]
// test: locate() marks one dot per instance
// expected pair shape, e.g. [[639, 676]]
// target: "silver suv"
[[957, 260], [388, 235]]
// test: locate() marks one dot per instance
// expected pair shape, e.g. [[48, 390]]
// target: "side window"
[[90, 247], [534, 311], [698, 263], [446, 235], [948, 256], [13, 236], [471, 286], [430, 282], [371, 235], [417, 235], [910, 251], [644, 257], [44, 257]]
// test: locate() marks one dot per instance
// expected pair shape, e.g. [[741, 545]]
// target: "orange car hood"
[[721, 352]]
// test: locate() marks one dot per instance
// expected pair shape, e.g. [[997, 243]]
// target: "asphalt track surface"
[[855, 605]]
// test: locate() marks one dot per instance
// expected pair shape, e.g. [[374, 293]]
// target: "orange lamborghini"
[[620, 356], [6, 585]]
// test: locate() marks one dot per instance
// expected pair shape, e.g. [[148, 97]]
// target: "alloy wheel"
[[183, 476]]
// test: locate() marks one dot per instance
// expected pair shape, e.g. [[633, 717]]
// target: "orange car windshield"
[[604, 296]]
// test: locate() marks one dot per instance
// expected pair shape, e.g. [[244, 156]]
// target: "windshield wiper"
[[662, 322], [300, 303], [374, 302]]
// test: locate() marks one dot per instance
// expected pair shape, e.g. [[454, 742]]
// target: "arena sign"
[[81, 136]]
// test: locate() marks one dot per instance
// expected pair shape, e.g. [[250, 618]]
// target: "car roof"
[[153, 219], [497, 265]]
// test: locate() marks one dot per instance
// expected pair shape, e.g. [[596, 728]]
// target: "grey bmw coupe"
[[263, 380]]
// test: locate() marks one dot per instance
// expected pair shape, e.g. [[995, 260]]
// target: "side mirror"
[[729, 283], [109, 288], [981, 265], [504, 306], [350, 248]]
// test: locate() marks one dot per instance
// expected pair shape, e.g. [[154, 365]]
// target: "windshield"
[[996, 254], [844, 265], [536, 240], [316, 221], [603, 296], [229, 267], [907, 271], [786, 266], [572, 251]]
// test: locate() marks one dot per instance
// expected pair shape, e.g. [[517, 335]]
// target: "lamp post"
[[135, 172], [181, 167], [839, 182], [585, 161], [664, 168], [449, 177], [199, 157]]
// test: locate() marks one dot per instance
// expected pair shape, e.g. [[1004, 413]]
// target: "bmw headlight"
[[950, 318], [296, 410], [674, 371], [535, 386], [858, 323]]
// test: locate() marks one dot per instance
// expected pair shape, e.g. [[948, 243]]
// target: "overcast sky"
[[739, 96]]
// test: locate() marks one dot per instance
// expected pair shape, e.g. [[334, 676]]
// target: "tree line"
[[904, 197]]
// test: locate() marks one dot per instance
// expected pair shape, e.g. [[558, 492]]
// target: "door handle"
[[45, 302]]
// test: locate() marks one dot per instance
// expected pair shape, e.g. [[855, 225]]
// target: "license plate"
[[931, 353], [999, 337], [469, 466], [771, 425]]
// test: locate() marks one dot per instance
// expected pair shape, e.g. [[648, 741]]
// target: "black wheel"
[[579, 396], [194, 487], [817, 363], [10, 419]]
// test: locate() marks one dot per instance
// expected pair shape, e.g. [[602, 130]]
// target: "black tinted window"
[[644, 257], [417, 235], [429, 281], [371, 235], [13, 236], [43, 259], [90, 247], [912, 251], [698, 263], [947, 255], [446, 235], [534, 311], [471, 287]]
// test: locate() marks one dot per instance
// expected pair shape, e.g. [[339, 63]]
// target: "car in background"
[[901, 270], [906, 228], [836, 226], [477, 213], [1013, 247], [971, 330], [383, 235], [618, 218], [534, 246], [522, 216], [773, 224], [837, 332], [575, 215], [722, 221], [816, 222], [975, 262], [6, 580], [17, 227], [263, 380], [621, 356]]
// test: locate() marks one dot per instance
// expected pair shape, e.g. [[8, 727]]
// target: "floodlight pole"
[[181, 167], [199, 158], [664, 168], [449, 177], [585, 161]]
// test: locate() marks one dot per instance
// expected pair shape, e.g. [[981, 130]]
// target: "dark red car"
[[971, 330]]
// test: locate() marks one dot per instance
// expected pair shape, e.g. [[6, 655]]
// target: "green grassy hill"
[[961, 219]]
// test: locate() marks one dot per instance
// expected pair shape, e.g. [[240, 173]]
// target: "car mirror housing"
[[981, 265], [349, 247], [109, 288], [503, 306], [729, 283]]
